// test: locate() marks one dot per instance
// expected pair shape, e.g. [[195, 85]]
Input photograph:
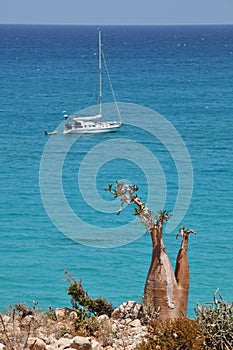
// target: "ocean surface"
[[185, 74]]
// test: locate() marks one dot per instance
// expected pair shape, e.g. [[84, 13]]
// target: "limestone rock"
[[80, 343], [51, 339], [123, 331], [36, 344], [127, 310], [95, 345], [64, 313], [103, 318], [63, 343], [6, 319], [135, 323]]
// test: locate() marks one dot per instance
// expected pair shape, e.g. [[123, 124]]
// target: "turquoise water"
[[185, 74]]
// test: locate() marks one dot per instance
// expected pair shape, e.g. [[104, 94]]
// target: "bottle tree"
[[166, 291]]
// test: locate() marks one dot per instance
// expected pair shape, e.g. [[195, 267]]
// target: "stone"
[[135, 323], [51, 339], [65, 312], [67, 335], [95, 345], [80, 343], [103, 318], [63, 343], [129, 309], [36, 344], [114, 327], [6, 318]]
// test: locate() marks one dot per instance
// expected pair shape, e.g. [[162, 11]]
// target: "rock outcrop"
[[123, 330]]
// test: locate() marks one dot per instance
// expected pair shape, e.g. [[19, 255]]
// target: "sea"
[[175, 94]]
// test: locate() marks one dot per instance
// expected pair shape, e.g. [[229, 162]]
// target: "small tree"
[[166, 292], [83, 303]]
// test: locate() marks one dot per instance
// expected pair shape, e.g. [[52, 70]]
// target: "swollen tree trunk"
[[160, 283], [182, 273], [166, 292]]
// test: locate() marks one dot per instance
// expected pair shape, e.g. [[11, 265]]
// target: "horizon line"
[[120, 24]]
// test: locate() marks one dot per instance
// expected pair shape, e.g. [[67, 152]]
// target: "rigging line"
[[110, 83]]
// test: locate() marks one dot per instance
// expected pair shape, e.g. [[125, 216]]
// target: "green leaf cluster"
[[83, 303]]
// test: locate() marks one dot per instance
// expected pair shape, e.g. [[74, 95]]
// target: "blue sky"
[[116, 11]]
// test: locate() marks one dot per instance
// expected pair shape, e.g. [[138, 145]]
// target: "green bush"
[[81, 300], [216, 322], [86, 307], [85, 325]]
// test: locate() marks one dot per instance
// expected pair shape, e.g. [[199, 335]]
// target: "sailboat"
[[94, 124]]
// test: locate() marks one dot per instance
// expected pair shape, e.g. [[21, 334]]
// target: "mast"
[[100, 72]]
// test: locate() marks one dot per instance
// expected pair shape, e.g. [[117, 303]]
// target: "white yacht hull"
[[98, 128]]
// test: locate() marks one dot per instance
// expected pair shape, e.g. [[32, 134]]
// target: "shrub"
[[81, 300], [178, 334], [216, 322], [86, 307], [85, 326]]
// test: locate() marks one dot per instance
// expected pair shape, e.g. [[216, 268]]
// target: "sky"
[[107, 12]]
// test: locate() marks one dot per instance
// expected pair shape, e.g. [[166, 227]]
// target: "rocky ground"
[[37, 331]]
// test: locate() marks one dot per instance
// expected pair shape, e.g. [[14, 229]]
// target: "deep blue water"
[[184, 73]]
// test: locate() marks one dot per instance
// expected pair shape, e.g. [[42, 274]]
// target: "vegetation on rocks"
[[83, 303], [216, 322], [21, 324], [212, 329], [84, 327], [177, 334], [86, 308]]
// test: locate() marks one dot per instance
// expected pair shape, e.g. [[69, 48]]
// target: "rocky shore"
[[37, 331]]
